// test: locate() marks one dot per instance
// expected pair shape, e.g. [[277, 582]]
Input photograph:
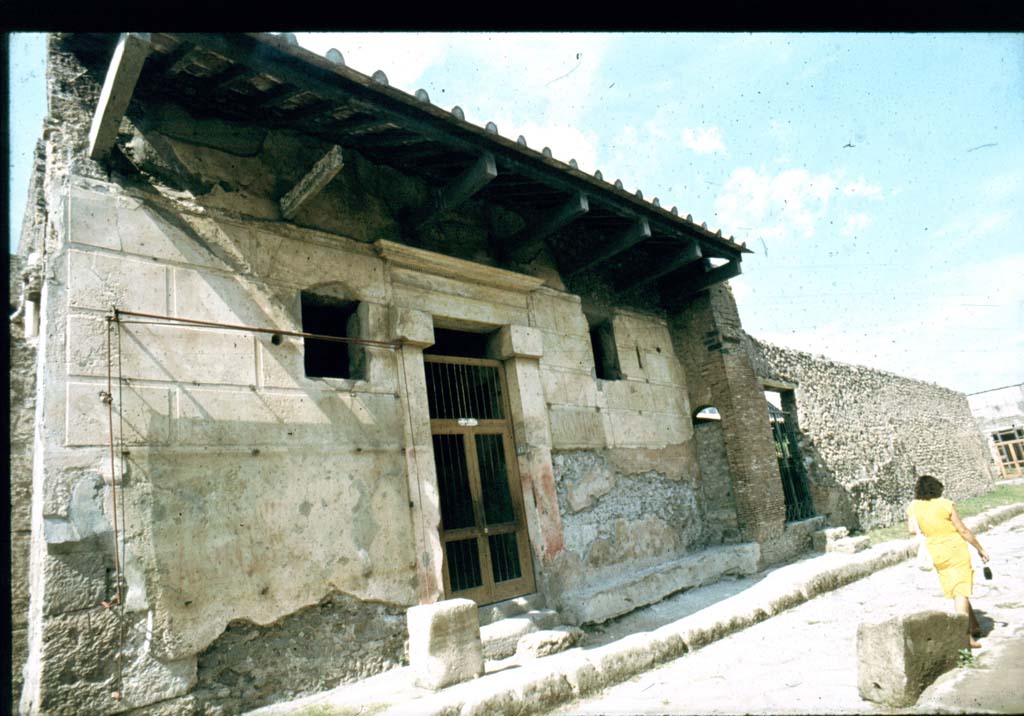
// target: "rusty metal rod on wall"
[[393, 345], [108, 398]]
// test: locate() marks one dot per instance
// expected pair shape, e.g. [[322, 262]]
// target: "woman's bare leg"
[[963, 606]]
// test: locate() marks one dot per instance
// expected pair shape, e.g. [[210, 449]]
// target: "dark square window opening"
[[329, 316], [606, 354]]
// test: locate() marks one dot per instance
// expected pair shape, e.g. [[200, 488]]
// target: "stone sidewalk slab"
[[545, 683], [805, 659]]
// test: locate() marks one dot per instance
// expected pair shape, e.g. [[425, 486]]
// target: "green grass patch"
[[887, 534], [965, 659], [326, 710], [1001, 495]]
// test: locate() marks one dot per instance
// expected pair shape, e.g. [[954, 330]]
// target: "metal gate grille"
[[483, 529], [464, 390], [794, 481]]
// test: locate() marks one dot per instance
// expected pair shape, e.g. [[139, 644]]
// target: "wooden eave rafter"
[[118, 87], [483, 172], [530, 240], [269, 54], [313, 182], [634, 234], [688, 254], [395, 126], [696, 277]]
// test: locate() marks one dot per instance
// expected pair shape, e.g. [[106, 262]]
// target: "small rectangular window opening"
[[606, 355], [329, 316]]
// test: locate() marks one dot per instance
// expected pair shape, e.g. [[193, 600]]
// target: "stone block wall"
[[623, 451], [866, 434], [246, 491]]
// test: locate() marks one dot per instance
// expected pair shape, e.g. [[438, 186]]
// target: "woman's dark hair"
[[927, 488]]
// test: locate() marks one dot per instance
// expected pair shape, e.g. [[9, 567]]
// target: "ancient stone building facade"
[[312, 350]]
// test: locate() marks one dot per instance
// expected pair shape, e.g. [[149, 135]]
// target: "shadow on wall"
[[831, 500]]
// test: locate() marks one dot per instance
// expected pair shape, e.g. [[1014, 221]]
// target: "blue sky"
[[904, 251]]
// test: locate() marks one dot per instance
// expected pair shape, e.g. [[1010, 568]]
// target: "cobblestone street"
[[805, 659]]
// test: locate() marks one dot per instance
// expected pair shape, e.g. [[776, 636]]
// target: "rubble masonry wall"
[[865, 436]]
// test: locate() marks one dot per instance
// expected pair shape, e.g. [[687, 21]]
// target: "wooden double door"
[[483, 526]]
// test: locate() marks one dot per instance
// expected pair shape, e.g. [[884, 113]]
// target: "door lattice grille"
[[453, 482], [504, 557], [463, 564], [795, 489], [463, 390], [483, 526], [497, 499]]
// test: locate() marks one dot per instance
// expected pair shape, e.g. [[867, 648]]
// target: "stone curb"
[[548, 682]]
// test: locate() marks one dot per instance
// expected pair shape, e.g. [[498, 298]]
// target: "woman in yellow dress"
[[947, 539]]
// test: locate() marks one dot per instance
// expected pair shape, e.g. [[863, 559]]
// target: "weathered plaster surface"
[[22, 429], [998, 409]]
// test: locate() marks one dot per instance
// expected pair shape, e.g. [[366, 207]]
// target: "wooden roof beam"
[[637, 232], [690, 253], [705, 280], [313, 183], [122, 74], [527, 242], [336, 82], [482, 173]]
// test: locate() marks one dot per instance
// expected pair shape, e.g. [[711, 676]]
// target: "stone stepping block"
[[849, 545], [444, 643], [899, 657], [548, 641], [823, 538]]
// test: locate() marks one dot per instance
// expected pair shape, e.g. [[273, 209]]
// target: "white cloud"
[[1003, 186], [974, 226], [965, 333], [966, 231], [552, 83], [565, 141], [740, 289], [856, 224], [785, 205], [863, 190], [703, 141], [403, 57]]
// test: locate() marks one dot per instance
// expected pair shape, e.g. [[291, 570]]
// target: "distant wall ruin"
[[867, 434]]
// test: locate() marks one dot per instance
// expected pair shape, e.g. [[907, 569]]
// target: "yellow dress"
[[947, 548]]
